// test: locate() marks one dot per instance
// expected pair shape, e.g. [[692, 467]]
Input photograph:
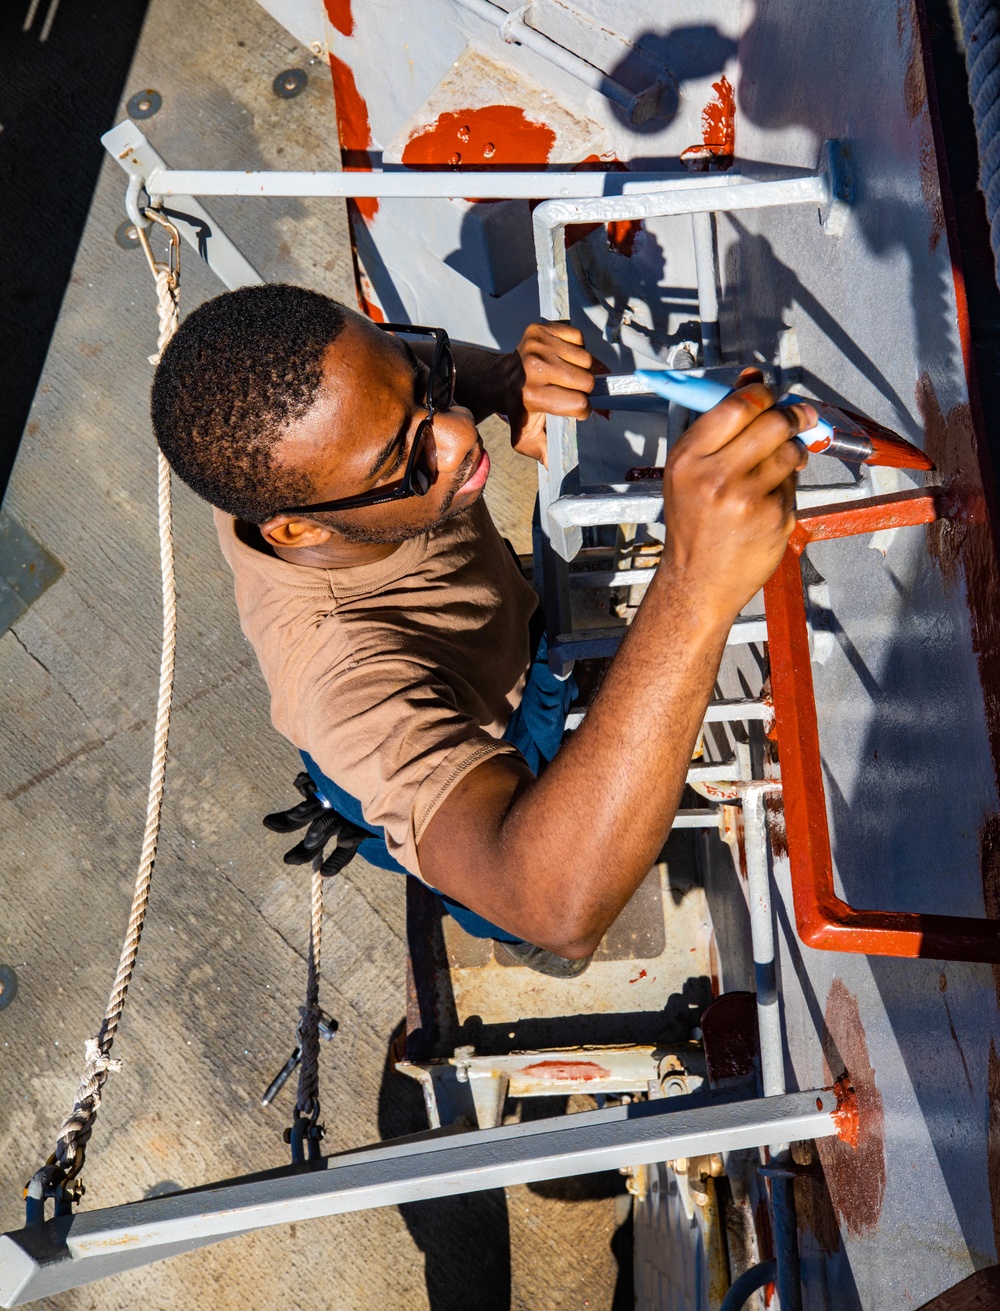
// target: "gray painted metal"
[[63, 1254], [639, 106], [127, 145], [772, 1048], [563, 511], [497, 185]]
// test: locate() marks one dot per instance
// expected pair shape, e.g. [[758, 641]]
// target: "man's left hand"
[[550, 372]]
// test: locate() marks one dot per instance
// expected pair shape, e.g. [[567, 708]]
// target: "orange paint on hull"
[[494, 136], [339, 14], [718, 130], [354, 129]]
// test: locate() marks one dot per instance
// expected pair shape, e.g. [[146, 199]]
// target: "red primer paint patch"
[[493, 137], [640, 975], [765, 1242], [623, 232], [339, 14], [567, 1070], [854, 1162], [718, 130], [622, 235], [354, 129]]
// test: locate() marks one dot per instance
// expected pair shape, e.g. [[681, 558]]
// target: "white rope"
[[167, 309], [307, 1099], [981, 29], [78, 1125]]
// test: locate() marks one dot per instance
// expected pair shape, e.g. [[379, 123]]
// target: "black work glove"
[[323, 823]]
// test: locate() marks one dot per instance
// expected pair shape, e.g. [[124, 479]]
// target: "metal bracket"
[[825, 921], [133, 153], [44, 1260]]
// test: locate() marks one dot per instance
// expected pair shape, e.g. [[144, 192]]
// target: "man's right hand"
[[513, 847], [729, 495]]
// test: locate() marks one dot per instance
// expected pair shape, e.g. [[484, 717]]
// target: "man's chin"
[[462, 501]]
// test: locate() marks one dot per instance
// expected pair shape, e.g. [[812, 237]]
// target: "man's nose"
[[454, 435]]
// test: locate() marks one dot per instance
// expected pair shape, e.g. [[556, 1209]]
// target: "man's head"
[[276, 396]]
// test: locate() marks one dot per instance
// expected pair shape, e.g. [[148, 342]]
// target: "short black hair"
[[239, 369]]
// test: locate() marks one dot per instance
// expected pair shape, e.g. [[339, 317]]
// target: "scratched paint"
[[718, 131], [354, 130], [339, 14], [777, 831], [566, 1070], [854, 1170], [943, 986]]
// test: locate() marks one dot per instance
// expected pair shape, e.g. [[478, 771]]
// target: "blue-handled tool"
[[838, 432]]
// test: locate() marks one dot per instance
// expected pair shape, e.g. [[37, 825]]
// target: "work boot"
[[542, 961]]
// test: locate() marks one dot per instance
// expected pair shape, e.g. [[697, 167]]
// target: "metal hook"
[[173, 265], [174, 253], [136, 184]]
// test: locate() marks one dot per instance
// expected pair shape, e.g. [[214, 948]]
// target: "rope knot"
[[98, 1061]]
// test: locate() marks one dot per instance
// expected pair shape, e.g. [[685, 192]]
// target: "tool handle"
[[700, 394], [683, 389]]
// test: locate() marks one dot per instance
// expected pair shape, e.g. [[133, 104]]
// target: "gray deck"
[[211, 1014]]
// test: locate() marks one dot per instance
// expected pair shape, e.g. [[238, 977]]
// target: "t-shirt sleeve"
[[390, 733]]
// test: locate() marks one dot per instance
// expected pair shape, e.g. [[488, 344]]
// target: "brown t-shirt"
[[397, 677]]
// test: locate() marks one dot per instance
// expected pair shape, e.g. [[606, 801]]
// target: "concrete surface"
[[213, 1007]]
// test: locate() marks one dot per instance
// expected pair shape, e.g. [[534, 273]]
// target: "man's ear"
[[290, 533]]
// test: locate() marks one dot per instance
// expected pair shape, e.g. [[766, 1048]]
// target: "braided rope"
[[981, 30], [307, 1098], [78, 1125], [168, 308]]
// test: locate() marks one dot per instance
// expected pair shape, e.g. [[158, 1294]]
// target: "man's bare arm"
[[555, 859]]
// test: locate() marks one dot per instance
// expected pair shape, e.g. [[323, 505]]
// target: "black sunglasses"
[[417, 478]]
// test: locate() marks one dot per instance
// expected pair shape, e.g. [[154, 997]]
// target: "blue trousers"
[[536, 728]]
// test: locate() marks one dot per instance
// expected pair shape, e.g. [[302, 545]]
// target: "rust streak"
[[954, 1035], [961, 545], [855, 1170], [993, 1141]]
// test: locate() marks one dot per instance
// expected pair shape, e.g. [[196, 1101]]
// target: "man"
[[393, 626]]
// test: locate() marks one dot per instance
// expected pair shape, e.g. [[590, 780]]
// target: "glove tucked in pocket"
[[322, 823]]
